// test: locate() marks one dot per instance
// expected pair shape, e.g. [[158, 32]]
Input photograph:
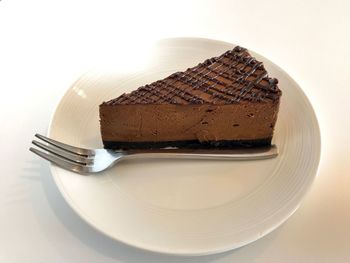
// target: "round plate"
[[185, 207]]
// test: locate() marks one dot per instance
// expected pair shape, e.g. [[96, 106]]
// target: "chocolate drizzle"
[[227, 79]]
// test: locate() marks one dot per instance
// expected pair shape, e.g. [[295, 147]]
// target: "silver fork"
[[88, 161]]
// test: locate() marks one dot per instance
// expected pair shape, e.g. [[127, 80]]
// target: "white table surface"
[[47, 45]]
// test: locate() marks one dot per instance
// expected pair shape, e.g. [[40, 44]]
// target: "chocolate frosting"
[[230, 78]]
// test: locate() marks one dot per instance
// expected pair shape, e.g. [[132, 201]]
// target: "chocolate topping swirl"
[[227, 79]]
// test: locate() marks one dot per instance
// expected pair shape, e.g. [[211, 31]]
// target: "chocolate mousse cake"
[[224, 102]]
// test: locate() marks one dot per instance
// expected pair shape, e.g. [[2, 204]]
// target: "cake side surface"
[[178, 125]]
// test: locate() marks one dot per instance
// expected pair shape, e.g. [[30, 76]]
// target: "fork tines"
[[64, 155]]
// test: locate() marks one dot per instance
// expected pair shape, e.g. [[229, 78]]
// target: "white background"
[[47, 45]]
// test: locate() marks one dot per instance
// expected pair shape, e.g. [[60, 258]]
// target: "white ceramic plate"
[[186, 207]]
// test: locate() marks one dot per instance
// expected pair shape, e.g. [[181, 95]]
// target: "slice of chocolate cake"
[[225, 102]]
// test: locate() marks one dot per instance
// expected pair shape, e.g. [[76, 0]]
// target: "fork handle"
[[255, 153]]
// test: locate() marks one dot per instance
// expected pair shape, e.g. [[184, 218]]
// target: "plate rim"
[[198, 252]]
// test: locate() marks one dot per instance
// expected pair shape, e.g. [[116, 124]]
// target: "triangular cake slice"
[[226, 101]]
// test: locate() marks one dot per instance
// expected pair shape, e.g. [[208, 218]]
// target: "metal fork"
[[88, 161]]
